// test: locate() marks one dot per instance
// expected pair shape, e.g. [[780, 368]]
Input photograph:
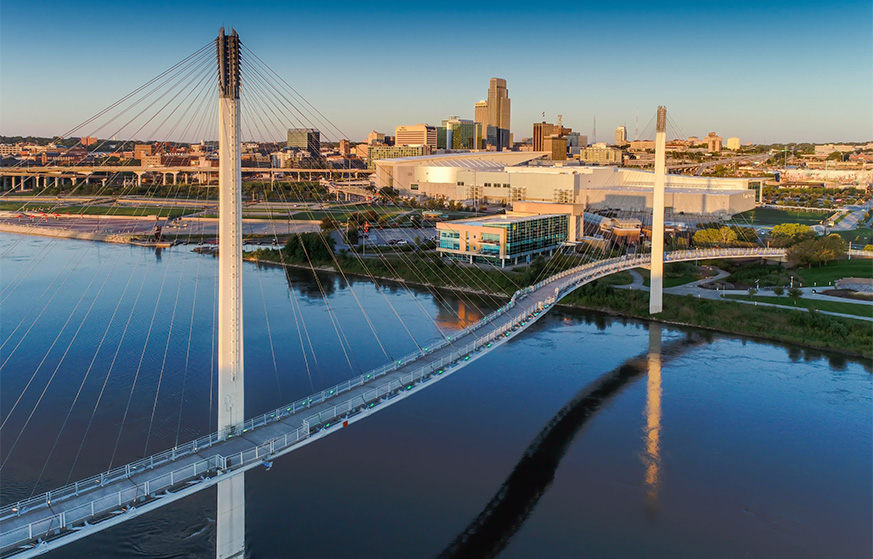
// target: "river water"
[[579, 438]]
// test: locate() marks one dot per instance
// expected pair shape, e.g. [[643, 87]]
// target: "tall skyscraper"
[[494, 115], [621, 135]]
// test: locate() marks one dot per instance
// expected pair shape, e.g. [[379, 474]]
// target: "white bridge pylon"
[[231, 513], [46, 522]]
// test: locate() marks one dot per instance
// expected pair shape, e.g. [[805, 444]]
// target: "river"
[[715, 446]]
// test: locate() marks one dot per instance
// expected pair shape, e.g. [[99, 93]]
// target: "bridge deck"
[[34, 526]]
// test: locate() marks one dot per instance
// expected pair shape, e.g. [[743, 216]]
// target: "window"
[[460, 183], [413, 187]]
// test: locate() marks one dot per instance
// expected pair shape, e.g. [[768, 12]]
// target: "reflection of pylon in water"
[[652, 455]]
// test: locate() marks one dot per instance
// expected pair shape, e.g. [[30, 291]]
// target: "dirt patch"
[[849, 294]]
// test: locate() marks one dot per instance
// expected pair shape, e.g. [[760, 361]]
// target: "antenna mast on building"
[[594, 132]]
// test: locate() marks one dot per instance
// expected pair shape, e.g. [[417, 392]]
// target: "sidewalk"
[[695, 290]]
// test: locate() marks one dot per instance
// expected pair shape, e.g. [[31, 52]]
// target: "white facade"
[[488, 178]]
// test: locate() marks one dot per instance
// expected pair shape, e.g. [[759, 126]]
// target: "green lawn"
[[769, 216], [859, 236], [620, 278], [677, 273], [23, 205], [836, 269], [856, 309]]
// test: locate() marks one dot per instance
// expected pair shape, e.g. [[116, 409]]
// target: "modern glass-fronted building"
[[511, 237]]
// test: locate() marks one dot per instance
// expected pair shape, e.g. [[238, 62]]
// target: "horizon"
[[735, 70]]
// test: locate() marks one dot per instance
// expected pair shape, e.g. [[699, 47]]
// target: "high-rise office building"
[[459, 133], [494, 115], [305, 138], [416, 135], [345, 148], [480, 117], [621, 135]]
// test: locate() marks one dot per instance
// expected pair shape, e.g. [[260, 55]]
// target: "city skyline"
[[738, 70]]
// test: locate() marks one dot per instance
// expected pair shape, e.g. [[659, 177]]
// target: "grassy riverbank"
[[805, 328], [857, 309]]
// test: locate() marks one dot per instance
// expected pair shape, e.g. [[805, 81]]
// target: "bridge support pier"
[[656, 292]]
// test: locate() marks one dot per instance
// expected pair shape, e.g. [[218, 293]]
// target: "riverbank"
[[804, 328], [64, 233]]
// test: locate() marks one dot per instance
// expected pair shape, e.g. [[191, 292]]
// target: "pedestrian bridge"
[[46, 522]]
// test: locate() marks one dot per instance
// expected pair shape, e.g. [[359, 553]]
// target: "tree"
[[315, 247], [745, 234], [794, 292], [788, 234], [388, 192], [329, 224], [778, 291], [723, 236], [752, 292], [817, 251], [831, 247], [352, 236], [678, 243]]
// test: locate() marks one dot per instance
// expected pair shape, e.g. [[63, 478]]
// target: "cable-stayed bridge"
[[48, 521], [61, 516]]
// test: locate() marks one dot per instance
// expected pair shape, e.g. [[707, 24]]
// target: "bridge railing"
[[345, 386], [202, 443], [106, 504], [580, 274], [577, 276]]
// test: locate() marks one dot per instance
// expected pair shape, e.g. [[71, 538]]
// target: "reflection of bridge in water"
[[36, 525], [33, 526]]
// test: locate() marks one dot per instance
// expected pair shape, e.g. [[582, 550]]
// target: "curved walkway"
[[39, 524]]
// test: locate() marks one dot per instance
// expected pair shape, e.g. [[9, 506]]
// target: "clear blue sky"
[[764, 71]]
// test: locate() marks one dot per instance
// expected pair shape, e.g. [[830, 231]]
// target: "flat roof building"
[[308, 139], [600, 155], [513, 237], [503, 178], [377, 153], [416, 135], [621, 135]]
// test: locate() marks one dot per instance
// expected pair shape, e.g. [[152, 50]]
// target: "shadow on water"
[[490, 532]]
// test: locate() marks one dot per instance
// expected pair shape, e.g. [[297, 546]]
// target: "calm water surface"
[[729, 448]]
